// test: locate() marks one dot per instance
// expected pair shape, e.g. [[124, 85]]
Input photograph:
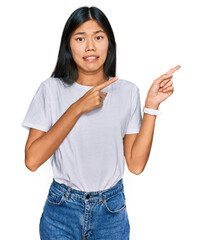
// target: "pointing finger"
[[172, 70], [105, 84], [167, 75]]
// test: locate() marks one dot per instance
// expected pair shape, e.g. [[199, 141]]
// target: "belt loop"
[[67, 194], [100, 197]]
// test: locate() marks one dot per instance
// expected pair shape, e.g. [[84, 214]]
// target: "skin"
[[162, 88], [89, 43], [137, 147], [41, 145]]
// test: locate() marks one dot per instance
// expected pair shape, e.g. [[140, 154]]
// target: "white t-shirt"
[[91, 157]]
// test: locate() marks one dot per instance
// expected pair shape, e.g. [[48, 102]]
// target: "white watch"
[[151, 111]]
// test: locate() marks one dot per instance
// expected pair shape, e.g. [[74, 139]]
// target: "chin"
[[92, 68]]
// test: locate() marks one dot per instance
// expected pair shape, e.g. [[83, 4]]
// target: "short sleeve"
[[38, 114], [135, 120]]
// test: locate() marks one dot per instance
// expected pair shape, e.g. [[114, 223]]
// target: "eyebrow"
[[84, 32]]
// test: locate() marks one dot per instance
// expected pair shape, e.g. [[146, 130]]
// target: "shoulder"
[[51, 82], [126, 86]]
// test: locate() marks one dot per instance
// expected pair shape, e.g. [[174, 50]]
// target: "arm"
[[43, 147], [141, 147], [138, 151]]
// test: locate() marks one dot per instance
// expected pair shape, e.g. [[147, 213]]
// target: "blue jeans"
[[69, 214]]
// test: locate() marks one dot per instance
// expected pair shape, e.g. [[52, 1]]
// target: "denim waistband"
[[88, 196]]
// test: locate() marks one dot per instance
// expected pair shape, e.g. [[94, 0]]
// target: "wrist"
[[149, 104], [78, 108]]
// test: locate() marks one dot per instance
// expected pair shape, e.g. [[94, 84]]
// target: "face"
[[89, 39]]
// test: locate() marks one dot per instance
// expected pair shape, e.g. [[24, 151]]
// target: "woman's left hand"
[[161, 89]]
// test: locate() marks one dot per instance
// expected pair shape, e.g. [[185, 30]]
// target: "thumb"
[[105, 93]]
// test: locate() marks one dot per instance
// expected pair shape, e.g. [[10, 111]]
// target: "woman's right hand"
[[94, 97]]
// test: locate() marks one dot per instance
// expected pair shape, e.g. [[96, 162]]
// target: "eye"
[[79, 38], [99, 37]]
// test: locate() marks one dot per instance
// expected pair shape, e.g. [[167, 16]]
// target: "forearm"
[[43, 148], [142, 145], [159, 91]]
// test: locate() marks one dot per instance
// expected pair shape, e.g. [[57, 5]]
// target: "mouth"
[[91, 58]]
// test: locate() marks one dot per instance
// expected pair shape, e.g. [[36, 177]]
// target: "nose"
[[90, 45]]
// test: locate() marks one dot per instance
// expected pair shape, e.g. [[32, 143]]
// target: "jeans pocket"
[[116, 203], [55, 197]]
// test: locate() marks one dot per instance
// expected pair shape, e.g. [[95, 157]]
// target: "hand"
[[161, 89], [94, 98]]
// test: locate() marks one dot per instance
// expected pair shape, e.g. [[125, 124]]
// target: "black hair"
[[66, 68]]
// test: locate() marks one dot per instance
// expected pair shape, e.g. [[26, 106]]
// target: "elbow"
[[138, 166], [136, 171], [29, 165]]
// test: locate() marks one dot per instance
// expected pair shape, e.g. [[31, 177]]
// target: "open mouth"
[[91, 59]]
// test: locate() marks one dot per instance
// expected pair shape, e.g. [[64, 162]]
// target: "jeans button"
[[87, 196]]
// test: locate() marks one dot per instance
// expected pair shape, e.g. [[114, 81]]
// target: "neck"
[[91, 78]]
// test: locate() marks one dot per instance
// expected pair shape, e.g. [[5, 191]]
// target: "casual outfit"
[[89, 161], [72, 214]]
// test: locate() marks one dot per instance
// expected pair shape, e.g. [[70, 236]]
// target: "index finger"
[[105, 84], [172, 70]]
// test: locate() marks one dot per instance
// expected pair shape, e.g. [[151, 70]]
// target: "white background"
[[164, 201]]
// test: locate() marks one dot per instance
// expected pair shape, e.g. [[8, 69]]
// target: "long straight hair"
[[66, 68]]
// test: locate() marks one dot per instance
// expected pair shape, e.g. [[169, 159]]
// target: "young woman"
[[89, 123]]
